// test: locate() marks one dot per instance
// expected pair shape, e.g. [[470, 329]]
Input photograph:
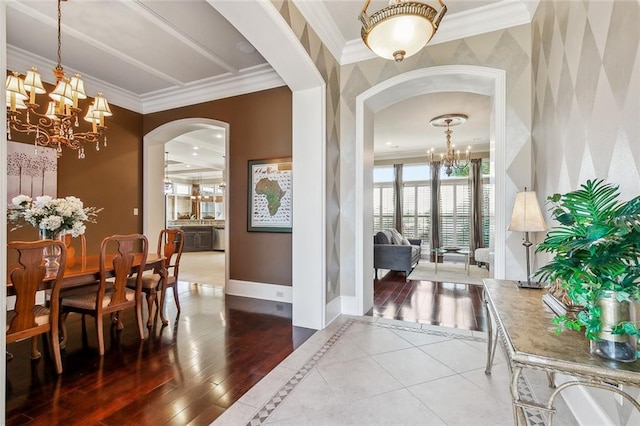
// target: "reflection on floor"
[[203, 267]]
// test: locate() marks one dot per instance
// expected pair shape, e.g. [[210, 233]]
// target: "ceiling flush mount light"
[[54, 128], [401, 29], [450, 159]]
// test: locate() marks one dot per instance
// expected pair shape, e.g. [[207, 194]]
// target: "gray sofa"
[[394, 252]]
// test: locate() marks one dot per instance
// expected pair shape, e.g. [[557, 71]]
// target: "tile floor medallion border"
[[532, 417]]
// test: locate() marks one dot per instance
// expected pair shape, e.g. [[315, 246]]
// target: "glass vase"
[[617, 347], [50, 254]]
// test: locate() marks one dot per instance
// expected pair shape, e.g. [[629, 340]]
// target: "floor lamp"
[[527, 217]]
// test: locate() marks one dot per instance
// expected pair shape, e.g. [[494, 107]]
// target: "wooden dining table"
[[84, 271]]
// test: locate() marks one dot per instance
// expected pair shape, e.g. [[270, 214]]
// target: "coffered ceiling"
[[152, 55]]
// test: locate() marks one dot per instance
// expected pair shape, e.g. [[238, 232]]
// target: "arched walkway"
[[453, 78], [153, 166]]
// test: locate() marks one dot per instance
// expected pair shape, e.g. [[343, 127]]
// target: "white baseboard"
[[350, 305], [274, 292], [584, 407], [333, 310]]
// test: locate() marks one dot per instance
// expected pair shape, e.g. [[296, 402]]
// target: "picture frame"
[[30, 171], [270, 197]]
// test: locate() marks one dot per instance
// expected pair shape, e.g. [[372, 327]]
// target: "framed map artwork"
[[270, 197]]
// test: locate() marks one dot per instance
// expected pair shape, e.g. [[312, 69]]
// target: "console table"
[[524, 324]]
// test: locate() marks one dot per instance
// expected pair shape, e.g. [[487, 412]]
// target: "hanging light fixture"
[[451, 158], [168, 184], [401, 29], [55, 128]]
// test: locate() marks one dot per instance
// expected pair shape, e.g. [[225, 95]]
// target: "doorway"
[[455, 78], [154, 197]]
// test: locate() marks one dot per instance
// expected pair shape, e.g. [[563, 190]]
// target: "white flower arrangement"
[[51, 215]]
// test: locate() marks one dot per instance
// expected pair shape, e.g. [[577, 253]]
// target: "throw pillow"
[[397, 238], [405, 242]]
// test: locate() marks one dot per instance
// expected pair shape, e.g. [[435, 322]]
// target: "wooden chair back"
[[127, 248], [170, 245], [27, 278], [72, 252]]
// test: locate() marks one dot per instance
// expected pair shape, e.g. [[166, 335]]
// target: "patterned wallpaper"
[[330, 71], [586, 74], [509, 50]]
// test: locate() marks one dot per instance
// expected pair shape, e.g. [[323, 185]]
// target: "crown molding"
[[317, 15], [248, 80], [260, 77], [493, 17], [22, 61]]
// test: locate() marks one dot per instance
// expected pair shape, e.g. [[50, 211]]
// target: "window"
[[455, 211], [383, 207], [455, 204]]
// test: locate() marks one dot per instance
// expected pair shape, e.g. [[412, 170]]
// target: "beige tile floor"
[[203, 267], [368, 371]]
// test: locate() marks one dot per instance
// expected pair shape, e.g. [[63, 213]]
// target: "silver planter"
[[617, 347]]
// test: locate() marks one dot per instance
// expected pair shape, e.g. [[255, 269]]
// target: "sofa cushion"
[[381, 238], [405, 242]]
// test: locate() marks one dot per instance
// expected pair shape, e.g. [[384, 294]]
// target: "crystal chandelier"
[[401, 29], [54, 128], [451, 158]]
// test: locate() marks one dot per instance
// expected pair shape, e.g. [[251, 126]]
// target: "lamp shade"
[[526, 216]]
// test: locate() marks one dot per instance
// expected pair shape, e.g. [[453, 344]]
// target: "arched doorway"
[[453, 78], [153, 169]]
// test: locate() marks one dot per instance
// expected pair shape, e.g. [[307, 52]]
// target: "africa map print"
[[270, 195]]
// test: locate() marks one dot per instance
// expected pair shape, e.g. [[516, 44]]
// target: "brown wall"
[[110, 178], [259, 127]]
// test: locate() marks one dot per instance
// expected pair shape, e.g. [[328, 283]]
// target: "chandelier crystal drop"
[[450, 159], [56, 126], [401, 29]]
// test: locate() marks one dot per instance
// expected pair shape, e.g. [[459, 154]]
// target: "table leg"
[[491, 344], [436, 263], [466, 263]]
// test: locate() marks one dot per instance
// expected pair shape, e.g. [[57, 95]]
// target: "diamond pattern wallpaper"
[[330, 71], [586, 74]]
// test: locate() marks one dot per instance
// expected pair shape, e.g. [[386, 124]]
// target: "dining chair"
[[72, 251], [113, 295], [27, 318], [170, 245]]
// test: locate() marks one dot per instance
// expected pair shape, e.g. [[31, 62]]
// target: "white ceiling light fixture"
[[401, 29], [55, 128], [451, 158]]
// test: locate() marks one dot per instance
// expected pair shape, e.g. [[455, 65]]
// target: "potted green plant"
[[597, 262]]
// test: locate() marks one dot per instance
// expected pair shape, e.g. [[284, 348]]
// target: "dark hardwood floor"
[[437, 303], [186, 373], [189, 372]]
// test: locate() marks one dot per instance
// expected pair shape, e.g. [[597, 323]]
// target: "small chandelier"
[[450, 159], [401, 29], [54, 128]]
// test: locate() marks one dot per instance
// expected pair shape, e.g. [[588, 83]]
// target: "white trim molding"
[[263, 291]]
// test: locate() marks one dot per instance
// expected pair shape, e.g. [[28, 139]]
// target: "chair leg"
[[139, 320], [175, 295], [100, 334], [151, 297], [55, 347], [163, 297], [63, 330], [35, 353]]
